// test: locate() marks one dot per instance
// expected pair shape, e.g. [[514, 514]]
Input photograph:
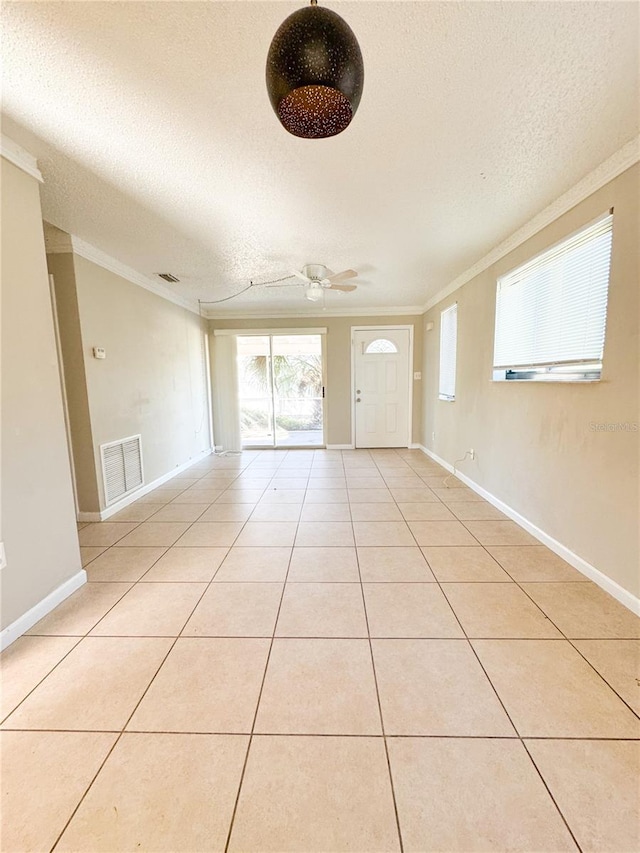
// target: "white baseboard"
[[144, 490], [38, 611], [340, 447], [604, 581]]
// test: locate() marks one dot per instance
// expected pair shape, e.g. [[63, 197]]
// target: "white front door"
[[381, 373]]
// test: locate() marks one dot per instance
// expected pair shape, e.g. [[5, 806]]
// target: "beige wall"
[[536, 450], [338, 350], [152, 382], [38, 513], [62, 268]]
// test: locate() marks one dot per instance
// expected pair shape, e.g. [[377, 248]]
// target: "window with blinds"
[[551, 311], [448, 345]]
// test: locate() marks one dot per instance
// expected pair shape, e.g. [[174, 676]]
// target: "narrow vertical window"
[[448, 345]]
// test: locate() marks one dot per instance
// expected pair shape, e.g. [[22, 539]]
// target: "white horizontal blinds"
[[448, 346], [552, 310]]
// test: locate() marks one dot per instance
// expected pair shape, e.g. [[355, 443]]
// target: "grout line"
[[504, 708], [264, 677]]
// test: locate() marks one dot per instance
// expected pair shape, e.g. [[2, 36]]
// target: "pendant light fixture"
[[314, 73]]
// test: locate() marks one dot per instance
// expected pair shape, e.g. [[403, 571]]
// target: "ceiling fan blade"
[[345, 288], [340, 276], [301, 276]]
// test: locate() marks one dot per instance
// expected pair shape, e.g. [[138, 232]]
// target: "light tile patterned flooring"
[[322, 651]]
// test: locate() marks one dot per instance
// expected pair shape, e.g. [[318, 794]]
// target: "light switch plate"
[[417, 375]]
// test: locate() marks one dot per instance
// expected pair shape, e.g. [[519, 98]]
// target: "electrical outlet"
[[3, 556], [433, 436], [472, 453]]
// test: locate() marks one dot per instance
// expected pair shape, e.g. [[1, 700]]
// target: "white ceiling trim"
[[618, 163], [97, 256], [12, 152], [392, 311], [310, 330]]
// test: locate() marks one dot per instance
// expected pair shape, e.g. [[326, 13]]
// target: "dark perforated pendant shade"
[[314, 73]]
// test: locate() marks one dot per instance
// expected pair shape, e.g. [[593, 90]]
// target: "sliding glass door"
[[281, 390]]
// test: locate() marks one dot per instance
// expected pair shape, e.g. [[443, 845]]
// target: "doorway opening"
[[281, 390]]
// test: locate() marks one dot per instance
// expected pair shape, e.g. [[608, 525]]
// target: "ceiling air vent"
[[121, 467], [166, 276]]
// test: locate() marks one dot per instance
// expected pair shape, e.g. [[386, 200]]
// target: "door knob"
[[357, 399]]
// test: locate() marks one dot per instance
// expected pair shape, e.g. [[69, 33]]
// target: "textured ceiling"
[[154, 133]]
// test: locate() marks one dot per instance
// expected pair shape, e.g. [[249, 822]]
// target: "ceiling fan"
[[317, 278]]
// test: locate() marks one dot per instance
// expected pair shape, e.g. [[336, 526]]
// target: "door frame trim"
[[390, 328]]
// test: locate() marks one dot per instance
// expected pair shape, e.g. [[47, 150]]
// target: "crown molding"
[[12, 152], [102, 259], [393, 311], [618, 163]]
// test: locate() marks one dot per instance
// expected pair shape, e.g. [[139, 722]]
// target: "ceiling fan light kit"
[[314, 73]]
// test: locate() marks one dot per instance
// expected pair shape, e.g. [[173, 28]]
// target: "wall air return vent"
[[121, 467], [166, 276]]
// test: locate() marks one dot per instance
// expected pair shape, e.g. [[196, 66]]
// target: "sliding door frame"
[[271, 333]]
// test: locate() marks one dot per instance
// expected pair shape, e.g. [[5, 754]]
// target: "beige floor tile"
[[254, 564], [260, 534], [276, 512], [393, 564], [240, 495], [436, 687], [210, 534], [472, 795], [319, 687], [595, 784], [192, 565], [500, 533], [584, 610], [454, 494], [155, 534], [151, 610], [326, 496], [96, 687], [322, 610], [312, 534], [382, 534], [409, 610], [436, 480], [197, 496], [369, 496], [44, 775], [282, 481], [184, 482], [413, 495], [205, 685], [236, 610], [476, 511], [78, 614], [550, 691], [90, 552], [376, 512], [275, 495], [105, 532], [136, 512], [535, 563], [314, 795], [227, 512], [326, 483], [123, 564], [326, 512], [160, 496], [25, 663], [441, 533], [460, 563], [324, 564], [434, 511], [180, 512], [618, 662], [498, 610], [355, 482], [161, 792]]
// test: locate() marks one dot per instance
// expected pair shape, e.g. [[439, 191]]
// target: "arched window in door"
[[381, 345]]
